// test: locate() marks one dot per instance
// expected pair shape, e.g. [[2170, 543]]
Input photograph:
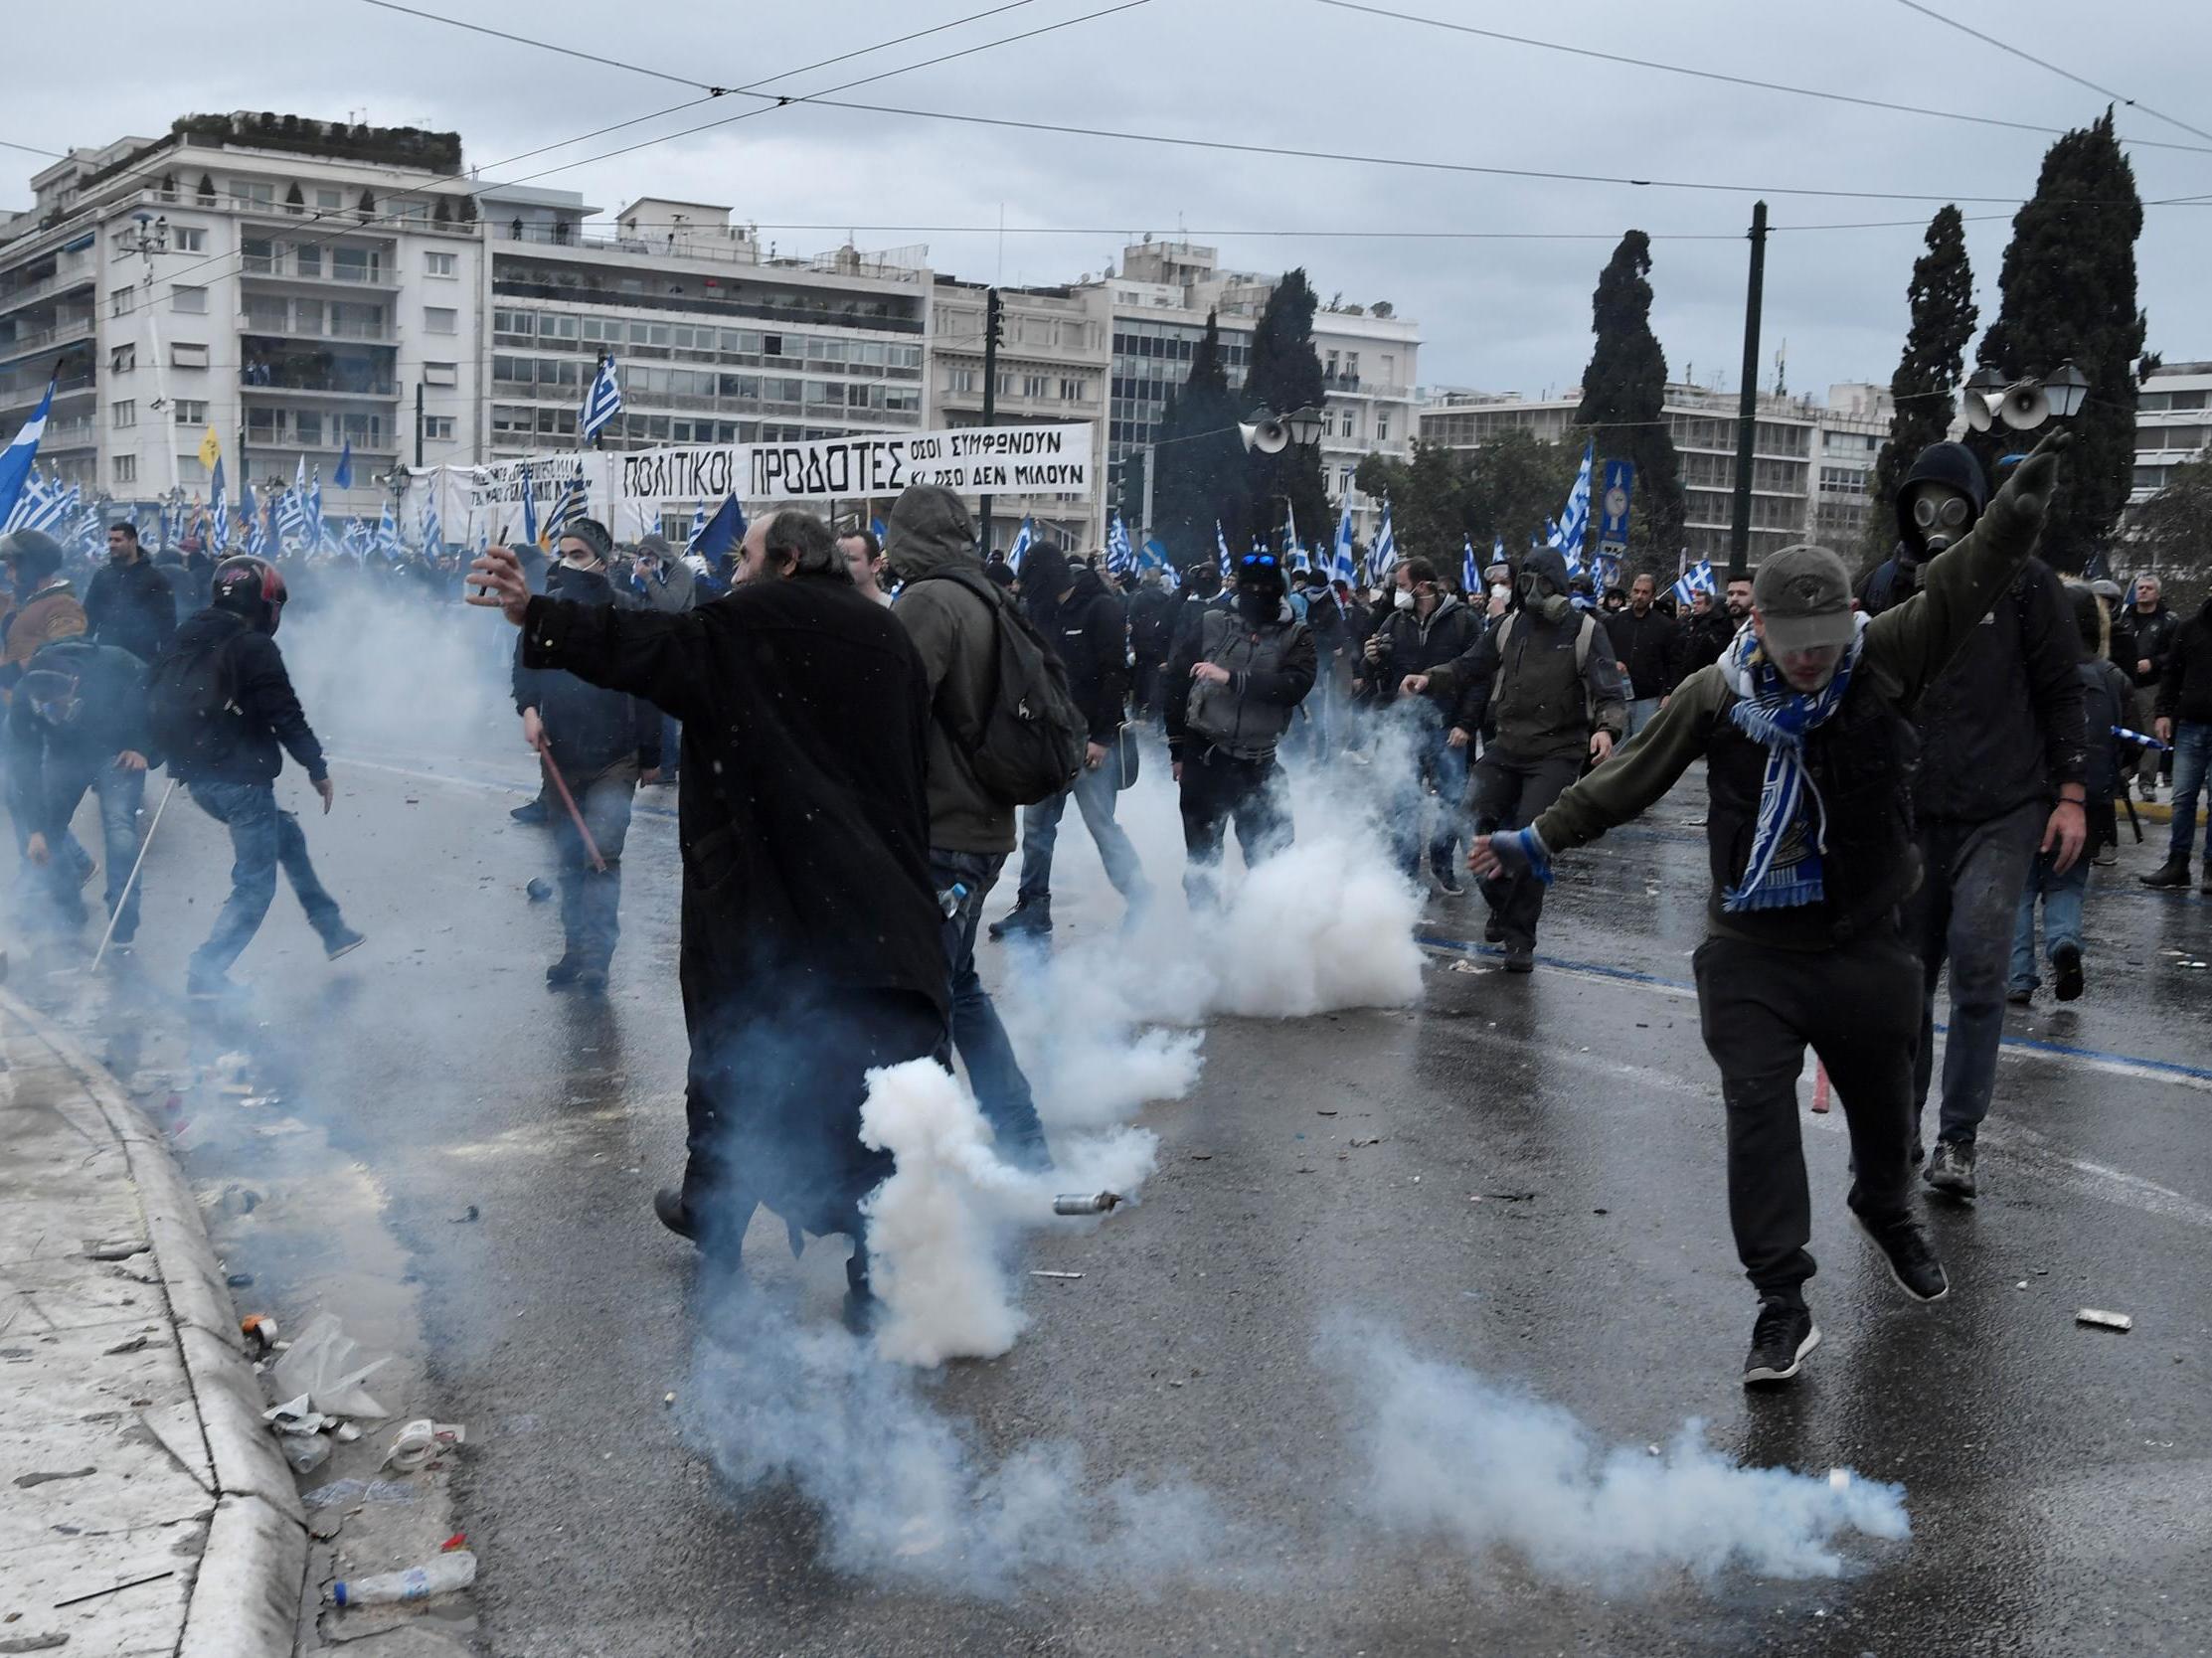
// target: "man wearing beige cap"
[[1804, 725]]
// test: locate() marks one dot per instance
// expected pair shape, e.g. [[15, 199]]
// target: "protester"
[[668, 584], [78, 721], [129, 603], [953, 619], [46, 606], [1705, 632], [1803, 731], [1233, 684], [1072, 607], [601, 743], [1428, 627], [1546, 674], [2104, 699], [223, 714], [2145, 633], [2000, 776], [1646, 649], [2184, 720], [811, 948], [1151, 630], [863, 554]]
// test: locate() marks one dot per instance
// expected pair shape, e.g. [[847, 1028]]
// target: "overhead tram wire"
[[2065, 74], [1751, 82]]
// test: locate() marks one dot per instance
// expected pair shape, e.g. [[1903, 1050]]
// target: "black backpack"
[[1027, 741], [191, 706]]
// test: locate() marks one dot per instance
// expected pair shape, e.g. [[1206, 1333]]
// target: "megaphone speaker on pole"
[[1976, 407], [1268, 436], [2026, 406]]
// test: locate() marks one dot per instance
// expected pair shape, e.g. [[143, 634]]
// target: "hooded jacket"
[[1088, 631], [51, 613], [1544, 702], [1414, 645], [1151, 623], [1272, 666], [48, 763], [955, 632], [1897, 578], [269, 722], [589, 731], [673, 590], [2185, 689]]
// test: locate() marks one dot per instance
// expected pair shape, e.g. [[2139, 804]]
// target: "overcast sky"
[[1504, 314]]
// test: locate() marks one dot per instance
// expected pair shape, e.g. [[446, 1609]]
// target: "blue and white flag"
[[1293, 553], [1120, 558], [573, 505], [343, 477], [601, 403], [1024, 534], [529, 491], [219, 533], [248, 511], [388, 535], [1342, 565], [434, 533], [723, 532], [1574, 523], [43, 504], [698, 525], [1470, 573], [16, 459], [1220, 548], [1698, 579], [291, 514], [1382, 558]]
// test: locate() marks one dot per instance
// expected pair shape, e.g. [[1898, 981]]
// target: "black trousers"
[[1511, 793], [1219, 790], [1857, 1006]]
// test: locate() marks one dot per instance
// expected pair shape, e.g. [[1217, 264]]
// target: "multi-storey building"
[[1053, 367], [301, 286], [2173, 423], [717, 339], [1848, 434]]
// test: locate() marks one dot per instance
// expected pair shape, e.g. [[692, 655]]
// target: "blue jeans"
[[1642, 712], [591, 900], [1093, 793], [261, 839], [2192, 759], [120, 793], [992, 1071], [1437, 764], [2061, 915]]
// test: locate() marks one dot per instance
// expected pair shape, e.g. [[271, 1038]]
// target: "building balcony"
[[46, 339], [260, 380], [324, 273], [70, 274], [369, 333], [81, 434], [26, 397]]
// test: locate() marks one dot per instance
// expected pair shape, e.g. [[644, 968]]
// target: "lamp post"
[[2068, 389]]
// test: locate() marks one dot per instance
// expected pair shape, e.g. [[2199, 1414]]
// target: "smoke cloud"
[[1487, 1467]]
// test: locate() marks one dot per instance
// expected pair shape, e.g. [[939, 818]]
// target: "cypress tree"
[[1198, 459], [2068, 291], [1928, 373], [1284, 374], [1623, 396]]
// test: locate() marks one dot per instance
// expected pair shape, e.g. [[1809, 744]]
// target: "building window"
[[122, 359], [328, 201], [440, 374], [1035, 385], [1382, 426], [126, 469], [440, 319], [439, 427], [441, 264], [191, 412], [185, 354], [252, 193], [189, 241], [1075, 391], [118, 302], [125, 412], [960, 380], [192, 302]]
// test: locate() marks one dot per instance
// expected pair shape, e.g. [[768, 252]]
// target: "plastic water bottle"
[[416, 1582], [950, 900]]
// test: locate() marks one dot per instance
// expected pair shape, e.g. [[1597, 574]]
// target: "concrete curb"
[[244, 1600]]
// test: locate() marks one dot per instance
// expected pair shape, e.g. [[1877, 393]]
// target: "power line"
[[2008, 47], [1729, 80]]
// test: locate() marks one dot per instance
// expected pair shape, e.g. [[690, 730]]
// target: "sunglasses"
[[1263, 561]]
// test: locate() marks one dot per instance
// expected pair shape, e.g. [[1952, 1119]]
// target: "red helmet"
[[250, 587]]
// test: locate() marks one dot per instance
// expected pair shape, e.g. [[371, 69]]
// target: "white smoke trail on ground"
[[1486, 1467], [904, 1493]]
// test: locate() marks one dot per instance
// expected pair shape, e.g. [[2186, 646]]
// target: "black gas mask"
[[1541, 598], [1941, 517]]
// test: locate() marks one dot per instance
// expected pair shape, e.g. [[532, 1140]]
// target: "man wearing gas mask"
[[1234, 681], [1546, 675], [1802, 725], [2003, 770]]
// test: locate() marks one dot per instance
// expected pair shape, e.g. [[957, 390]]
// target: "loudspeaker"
[[1976, 407], [2025, 405], [1269, 436]]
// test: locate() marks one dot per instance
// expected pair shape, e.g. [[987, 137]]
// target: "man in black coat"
[[605, 744], [1151, 630], [1647, 647], [1072, 607], [812, 945], [2146, 628], [129, 603]]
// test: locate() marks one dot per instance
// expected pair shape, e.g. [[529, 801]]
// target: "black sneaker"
[[1493, 932], [1520, 958], [1911, 1257], [2021, 995], [2067, 961], [345, 943], [2172, 874], [1030, 916], [563, 973], [675, 1214], [531, 811], [1448, 882], [1952, 1170], [1779, 1342]]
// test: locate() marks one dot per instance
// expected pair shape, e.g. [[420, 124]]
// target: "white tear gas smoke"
[[1487, 1466], [903, 1492], [379, 663], [937, 1227]]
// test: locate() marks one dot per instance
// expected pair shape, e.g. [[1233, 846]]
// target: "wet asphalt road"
[[1545, 1205]]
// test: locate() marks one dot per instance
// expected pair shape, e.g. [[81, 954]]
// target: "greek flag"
[[529, 507], [1023, 535], [292, 515], [1698, 579], [1342, 566], [1382, 558], [1221, 547], [434, 533], [314, 507], [573, 505], [698, 527], [1574, 523], [221, 535], [1120, 558], [603, 401], [1604, 571], [248, 512], [1470, 573], [388, 535], [1294, 555], [41, 505], [16, 459], [355, 541]]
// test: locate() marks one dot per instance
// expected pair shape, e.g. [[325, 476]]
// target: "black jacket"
[[1089, 632], [2185, 690], [1272, 666], [269, 723], [1413, 646], [131, 607], [1151, 623], [2149, 638], [1702, 641], [1651, 646], [49, 764], [587, 730]]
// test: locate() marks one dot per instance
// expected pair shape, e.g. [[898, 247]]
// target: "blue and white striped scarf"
[[1768, 712]]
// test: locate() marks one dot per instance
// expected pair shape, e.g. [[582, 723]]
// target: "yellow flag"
[[210, 449]]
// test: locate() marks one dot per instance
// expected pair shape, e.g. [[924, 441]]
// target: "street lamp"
[[1305, 425], [2068, 389]]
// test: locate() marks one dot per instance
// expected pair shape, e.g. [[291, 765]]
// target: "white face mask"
[[1405, 598], [1500, 592]]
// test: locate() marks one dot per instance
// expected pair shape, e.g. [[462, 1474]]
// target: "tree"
[[1624, 398], [1285, 375], [1427, 501], [1198, 460], [2068, 291], [1935, 355], [2174, 531], [1517, 481]]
